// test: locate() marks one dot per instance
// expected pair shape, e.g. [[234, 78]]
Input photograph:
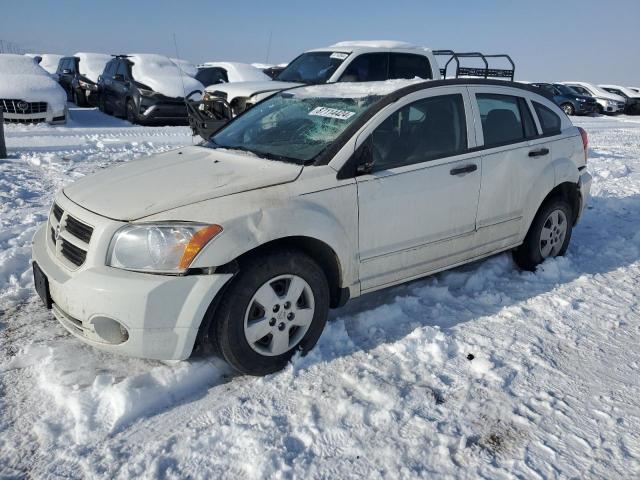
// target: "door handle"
[[466, 169], [539, 153]]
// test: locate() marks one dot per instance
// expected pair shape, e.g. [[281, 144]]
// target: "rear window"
[[505, 119], [406, 65], [549, 121]]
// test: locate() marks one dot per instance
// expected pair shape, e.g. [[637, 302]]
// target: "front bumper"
[[584, 184], [162, 109], [49, 116], [583, 108], [160, 313]]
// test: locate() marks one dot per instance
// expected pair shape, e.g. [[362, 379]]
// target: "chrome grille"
[[20, 106], [70, 237]]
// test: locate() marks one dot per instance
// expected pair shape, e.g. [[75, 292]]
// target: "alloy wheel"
[[553, 233], [279, 315]]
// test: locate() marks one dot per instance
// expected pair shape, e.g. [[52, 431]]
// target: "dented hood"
[[247, 89], [157, 183]]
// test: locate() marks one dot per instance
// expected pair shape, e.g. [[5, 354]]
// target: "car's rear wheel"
[[568, 109], [548, 236], [277, 305]]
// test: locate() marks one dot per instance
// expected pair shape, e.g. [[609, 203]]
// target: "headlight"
[[159, 248], [146, 93], [580, 100], [87, 85]]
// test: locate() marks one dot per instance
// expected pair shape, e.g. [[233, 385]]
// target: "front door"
[[417, 204]]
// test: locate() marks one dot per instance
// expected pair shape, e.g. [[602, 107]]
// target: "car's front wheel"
[[277, 304], [548, 236], [568, 109]]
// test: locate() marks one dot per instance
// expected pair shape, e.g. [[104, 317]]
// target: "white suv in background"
[[314, 196], [607, 102]]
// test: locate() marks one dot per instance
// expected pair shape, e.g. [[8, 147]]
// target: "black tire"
[[79, 99], [227, 329], [102, 105], [130, 112], [600, 110], [528, 255], [568, 109]]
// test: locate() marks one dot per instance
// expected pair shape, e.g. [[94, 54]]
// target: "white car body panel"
[[239, 72], [384, 228]]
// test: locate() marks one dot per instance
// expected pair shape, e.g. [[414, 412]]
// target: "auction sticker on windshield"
[[332, 113], [339, 55]]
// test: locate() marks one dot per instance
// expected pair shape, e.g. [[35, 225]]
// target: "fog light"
[[110, 330]]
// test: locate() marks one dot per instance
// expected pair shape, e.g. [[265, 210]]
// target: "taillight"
[[585, 143]]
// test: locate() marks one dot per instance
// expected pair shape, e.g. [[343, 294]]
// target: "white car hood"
[[173, 179], [246, 89]]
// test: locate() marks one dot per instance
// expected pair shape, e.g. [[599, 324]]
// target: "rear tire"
[[277, 305], [548, 236], [568, 109]]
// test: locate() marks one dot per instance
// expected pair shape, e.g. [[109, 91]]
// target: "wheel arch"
[[322, 253], [568, 191]]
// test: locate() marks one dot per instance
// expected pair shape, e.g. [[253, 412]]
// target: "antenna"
[[184, 91], [269, 47]]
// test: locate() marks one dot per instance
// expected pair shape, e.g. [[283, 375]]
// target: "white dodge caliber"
[[313, 196]]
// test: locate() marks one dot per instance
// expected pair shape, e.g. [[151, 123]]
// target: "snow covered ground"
[[483, 371]]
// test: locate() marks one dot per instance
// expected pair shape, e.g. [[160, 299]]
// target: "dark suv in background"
[[124, 96], [570, 101], [80, 90]]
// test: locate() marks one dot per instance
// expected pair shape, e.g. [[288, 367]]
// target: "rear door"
[[417, 204], [514, 158]]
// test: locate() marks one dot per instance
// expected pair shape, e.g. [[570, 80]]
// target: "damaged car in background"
[[352, 61]]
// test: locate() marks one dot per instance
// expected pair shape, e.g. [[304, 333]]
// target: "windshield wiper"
[[267, 155]]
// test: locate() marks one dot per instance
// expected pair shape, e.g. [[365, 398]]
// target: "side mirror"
[[364, 158]]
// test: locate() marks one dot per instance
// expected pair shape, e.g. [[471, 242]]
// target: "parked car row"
[[147, 88], [582, 98]]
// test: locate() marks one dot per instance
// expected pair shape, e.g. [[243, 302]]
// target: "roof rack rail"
[[485, 72]]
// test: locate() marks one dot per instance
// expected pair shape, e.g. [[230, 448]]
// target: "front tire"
[[130, 110], [78, 98], [548, 236], [277, 304], [568, 109]]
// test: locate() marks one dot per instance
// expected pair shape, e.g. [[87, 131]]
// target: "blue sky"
[[596, 41]]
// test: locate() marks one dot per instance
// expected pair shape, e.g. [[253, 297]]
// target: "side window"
[[61, 67], [406, 65], [431, 128], [212, 76], [581, 91], [549, 121], [368, 67], [505, 119]]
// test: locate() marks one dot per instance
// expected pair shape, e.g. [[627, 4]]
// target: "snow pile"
[[92, 64], [483, 371], [162, 75], [186, 66], [352, 89], [375, 44], [50, 61], [21, 78], [240, 72]]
